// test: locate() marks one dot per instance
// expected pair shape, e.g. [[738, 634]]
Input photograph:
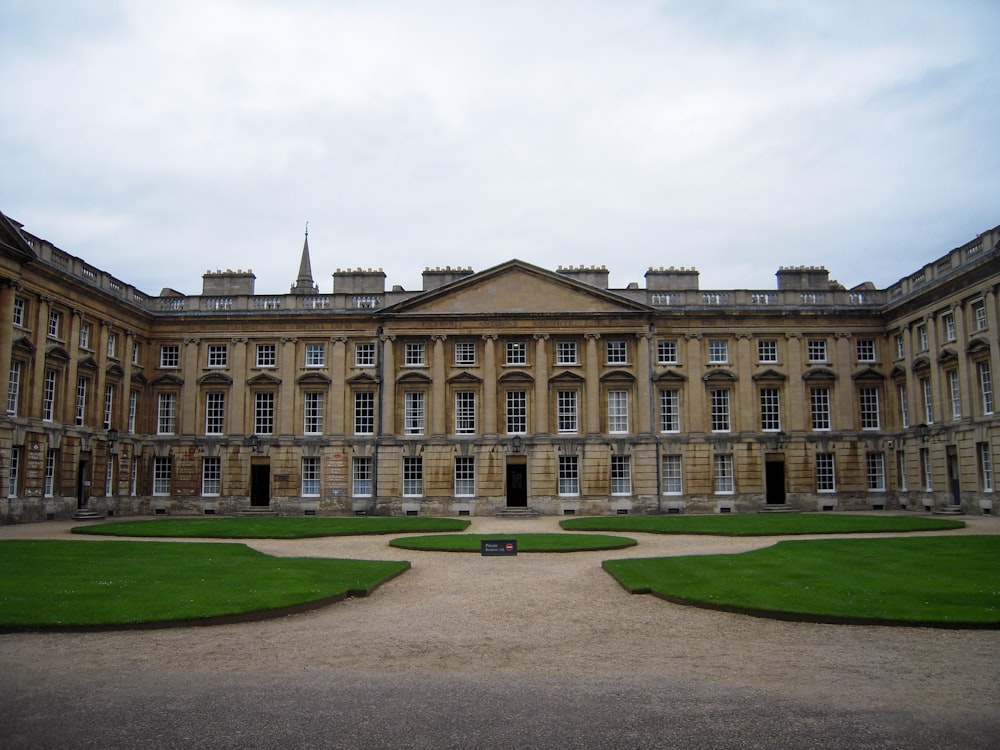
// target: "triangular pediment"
[[516, 288]]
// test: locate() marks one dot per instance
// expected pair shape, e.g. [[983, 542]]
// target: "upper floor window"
[[986, 386], [819, 408], [465, 412], [767, 350], [566, 353], [312, 413], [49, 396], [922, 339], [112, 345], [956, 394], [315, 355], [215, 413], [618, 412], [816, 350], [900, 347], [218, 355], [720, 410], [85, 335], [135, 352], [770, 410], [670, 410], [364, 413], [465, 353], [267, 355], [566, 414], [718, 351], [55, 324], [869, 408], [20, 306], [170, 355], [413, 413], [666, 351], [517, 353], [948, 323], [166, 413], [517, 412], [263, 413], [617, 351], [979, 315], [865, 350], [413, 354], [364, 355], [13, 387]]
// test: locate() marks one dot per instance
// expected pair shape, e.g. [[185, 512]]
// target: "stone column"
[[439, 389], [593, 384], [38, 374], [490, 384], [846, 406], [287, 395], [237, 408], [693, 405], [644, 405], [796, 398], [188, 408], [540, 402], [388, 385], [747, 404]]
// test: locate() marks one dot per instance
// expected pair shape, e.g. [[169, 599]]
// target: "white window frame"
[[55, 324], [112, 346], [414, 354], [49, 396], [672, 473], [80, 413], [724, 480], [414, 412], [616, 351], [621, 475], [948, 323], [361, 476], [922, 339], [718, 352], [868, 399], [109, 405], [85, 336], [162, 475], [985, 386], [826, 472], [313, 407], [567, 411], [567, 353], [517, 412], [875, 471], [955, 391], [413, 476], [364, 354], [770, 410], [14, 388], [133, 406], [720, 401], [866, 350], [315, 354], [218, 356], [364, 413], [13, 471], [20, 309], [904, 406], [816, 350], [465, 353], [266, 356], [985, 459], [819, 409], [170, 357], [48, 489], [618, 412], [465, 476], [166, 413], [979, 315], [516, 353], [666, 352], [264, 412], [569, 476], [926, 470], [215, 413], [928, 394], [311, 474], [670, 410], [211, 476], [465, 412], [900, 346], [767, 350]]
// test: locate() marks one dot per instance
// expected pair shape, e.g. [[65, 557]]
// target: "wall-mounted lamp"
[[112, 439], [255, 444], [923, 431]]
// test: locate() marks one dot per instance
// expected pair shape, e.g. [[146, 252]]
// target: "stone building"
[[510, 387]]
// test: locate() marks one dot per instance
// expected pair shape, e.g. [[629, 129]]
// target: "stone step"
[[86, 514], [517, 513], [949, 510], [259, 512], [776, 508]]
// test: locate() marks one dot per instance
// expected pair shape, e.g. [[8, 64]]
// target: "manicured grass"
[[951, 581], [71, 584], [272, 528], [761, 524], [525, 542]]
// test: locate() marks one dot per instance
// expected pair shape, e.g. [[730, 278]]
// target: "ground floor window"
[[310, 476], [15, 465], [723, 467], [621, 475], [465, 476], [569, 475], [875, 467], [985, 466], [50, 472], [926, 471], [361, 482], [671, 469], [161, 475], [826, 477], [413, 476], [211, 475]]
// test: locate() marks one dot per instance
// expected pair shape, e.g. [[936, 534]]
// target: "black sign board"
[[498, 546]]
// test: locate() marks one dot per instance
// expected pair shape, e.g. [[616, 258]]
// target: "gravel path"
[[536, 619]]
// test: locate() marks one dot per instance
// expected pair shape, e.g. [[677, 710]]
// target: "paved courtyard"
[[533, 651]]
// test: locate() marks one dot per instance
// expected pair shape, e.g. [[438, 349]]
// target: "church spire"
[[304, 284]]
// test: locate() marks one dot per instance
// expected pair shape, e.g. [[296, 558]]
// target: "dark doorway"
[[260, 485], [517, 485], [774, 481], [953, 482], [82, 485]]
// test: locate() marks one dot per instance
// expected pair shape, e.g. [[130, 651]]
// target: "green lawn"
[[951, 581], [525, 542], [272, 528], [760, 524], [66, 584]]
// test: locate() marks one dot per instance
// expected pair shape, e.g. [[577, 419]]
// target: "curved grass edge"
[[786, 616], [702, 577], [210, 620], [772, 525], [425, 542], [257, 528]]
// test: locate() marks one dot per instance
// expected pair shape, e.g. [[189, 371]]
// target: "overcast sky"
[[158, 140]]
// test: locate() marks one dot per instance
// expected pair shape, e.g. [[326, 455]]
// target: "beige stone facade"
[[513, 386]]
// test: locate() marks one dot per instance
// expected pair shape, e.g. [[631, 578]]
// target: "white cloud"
[[736, 136]]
